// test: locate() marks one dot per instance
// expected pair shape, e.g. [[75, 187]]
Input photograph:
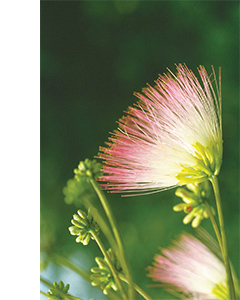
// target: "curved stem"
[[101, 222], [112, 268], [62, 261], [46, 282], [214, 182], [113, 224], [104, 227], [136, 287], [44, 294], [215, 225], [68, 297]]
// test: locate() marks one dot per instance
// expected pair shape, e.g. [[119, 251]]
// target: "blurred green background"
[[94, 55]]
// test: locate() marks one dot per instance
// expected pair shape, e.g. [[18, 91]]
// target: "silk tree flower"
[[191, 268], [171, 137]]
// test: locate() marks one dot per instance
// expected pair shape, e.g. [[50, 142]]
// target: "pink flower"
[[191, 268], [171, 137]]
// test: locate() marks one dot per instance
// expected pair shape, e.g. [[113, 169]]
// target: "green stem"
[[111, 266], [136, 287], [104, 227], [62, 261], [214, 224], [44, 294], [46, 282], [113, 224], [101, 222], [214, 182]]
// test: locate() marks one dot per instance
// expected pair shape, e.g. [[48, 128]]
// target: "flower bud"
[[102, 275], [194, 198], [83, 225], [58, 291]]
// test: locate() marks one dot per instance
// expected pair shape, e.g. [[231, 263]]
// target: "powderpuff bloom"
[[189, 267], [171, 137]]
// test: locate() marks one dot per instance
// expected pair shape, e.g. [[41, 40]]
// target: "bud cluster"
[[102, 275], [58, 291], [83, 225], [88, 169], [194, 198]]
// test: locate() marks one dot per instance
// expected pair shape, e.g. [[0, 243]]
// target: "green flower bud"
[[102, 275], [88, 169], [78, 190], [58, 291], [83, 225], [95, 270], [194, 198]]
